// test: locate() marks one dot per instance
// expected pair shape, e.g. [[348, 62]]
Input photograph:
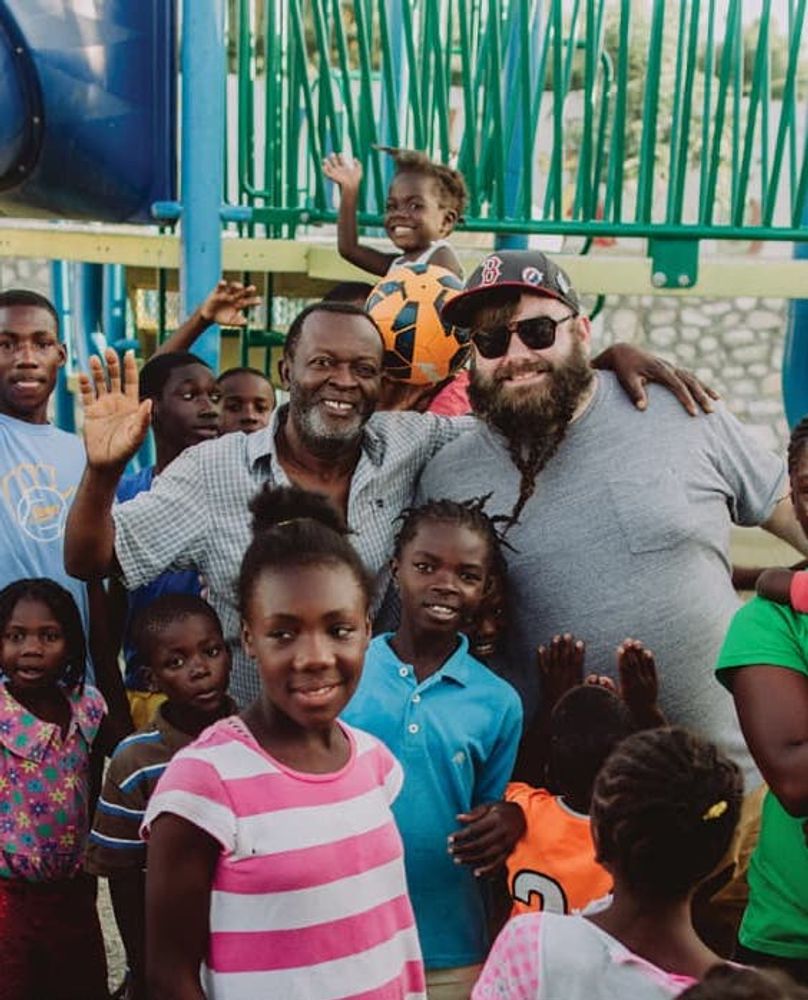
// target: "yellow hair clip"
[[716, 810]]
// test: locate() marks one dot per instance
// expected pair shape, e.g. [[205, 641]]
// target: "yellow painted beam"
[[307, 268], [90, 245]]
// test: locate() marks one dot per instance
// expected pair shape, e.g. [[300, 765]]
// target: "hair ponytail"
[[291, 528]]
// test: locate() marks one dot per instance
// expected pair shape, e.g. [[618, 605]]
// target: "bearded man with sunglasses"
[[617, 521]]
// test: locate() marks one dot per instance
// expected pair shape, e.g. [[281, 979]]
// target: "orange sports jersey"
[[553, 866]]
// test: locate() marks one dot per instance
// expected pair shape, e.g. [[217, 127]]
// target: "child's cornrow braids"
[[664, 807], [797, 441], [452, 186], [63, 608], [466, 513]]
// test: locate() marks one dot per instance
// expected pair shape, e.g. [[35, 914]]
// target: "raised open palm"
[[115, 421], [343, 170], [226, 303]]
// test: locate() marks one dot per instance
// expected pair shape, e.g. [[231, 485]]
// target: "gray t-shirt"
[[627, 535]]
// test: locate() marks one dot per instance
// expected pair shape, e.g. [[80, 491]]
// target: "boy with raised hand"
[[185, 400], [40, 465], [224, 305], [179, 639]]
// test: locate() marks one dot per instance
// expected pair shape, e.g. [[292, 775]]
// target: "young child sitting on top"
[[455, 727], [664, 808], [179, 640], [425, 200]]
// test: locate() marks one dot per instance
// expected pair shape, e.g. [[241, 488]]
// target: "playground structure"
[[540, 102]]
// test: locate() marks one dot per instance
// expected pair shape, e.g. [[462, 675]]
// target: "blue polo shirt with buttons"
[[456, 736]]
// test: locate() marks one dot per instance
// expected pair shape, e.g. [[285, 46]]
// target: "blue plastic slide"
[[87, 108]]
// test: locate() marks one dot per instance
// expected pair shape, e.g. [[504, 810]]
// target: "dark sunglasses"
[[536, 333]]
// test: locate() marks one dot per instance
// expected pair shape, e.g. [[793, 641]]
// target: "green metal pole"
[[677, 126], [617, 154], [708, 202], [787, 121], [645, 182], [758, 76]]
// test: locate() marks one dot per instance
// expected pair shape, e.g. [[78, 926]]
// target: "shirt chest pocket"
[[652, 511]]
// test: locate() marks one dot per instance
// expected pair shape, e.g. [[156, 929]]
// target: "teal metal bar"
[[645, 181], [614, 183], [677, 126], [758, 76], [786, 120], [708, 201], [706, 114]]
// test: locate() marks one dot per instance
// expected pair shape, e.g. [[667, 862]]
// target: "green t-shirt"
[[776, 918]]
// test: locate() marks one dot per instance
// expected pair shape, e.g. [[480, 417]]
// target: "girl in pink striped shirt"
[[275, 868]]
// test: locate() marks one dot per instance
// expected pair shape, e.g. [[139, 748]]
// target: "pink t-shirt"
[[546, 956], [453, 398], [309, 896]]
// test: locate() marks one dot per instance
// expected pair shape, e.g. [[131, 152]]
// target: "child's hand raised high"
[[225, 305], [639, 686], [561, 668], [343, 170], [489, 836]]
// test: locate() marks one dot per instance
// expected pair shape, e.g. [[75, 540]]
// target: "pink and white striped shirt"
[[309, 897]]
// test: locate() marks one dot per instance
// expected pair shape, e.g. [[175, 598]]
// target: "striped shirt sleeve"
[[114, 843], [192, 788]]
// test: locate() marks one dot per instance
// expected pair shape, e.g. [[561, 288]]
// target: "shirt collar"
[[456, 668], [27, 736], [175, 739], [261, 444]]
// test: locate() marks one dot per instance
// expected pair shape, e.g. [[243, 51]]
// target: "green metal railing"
[[670, 121]]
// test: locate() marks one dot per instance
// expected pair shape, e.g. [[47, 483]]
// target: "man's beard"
[[320, 437], [533, 421]]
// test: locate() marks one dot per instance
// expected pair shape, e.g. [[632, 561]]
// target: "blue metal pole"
[[515, 151], [395, 24], [87, 282], [795, 352], [114, 304], [202, 173], [64, 406]]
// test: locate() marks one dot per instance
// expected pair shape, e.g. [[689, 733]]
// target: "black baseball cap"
[[528, 270]]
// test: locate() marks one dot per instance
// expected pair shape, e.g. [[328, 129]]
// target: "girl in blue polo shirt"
[[455, 727]]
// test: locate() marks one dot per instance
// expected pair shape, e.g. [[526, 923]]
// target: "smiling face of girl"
[[308, 629]]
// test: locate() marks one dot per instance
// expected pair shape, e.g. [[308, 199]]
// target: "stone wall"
[[25, 273], [734, 345]]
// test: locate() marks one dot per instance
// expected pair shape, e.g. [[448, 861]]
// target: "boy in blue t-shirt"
[[454, 726]]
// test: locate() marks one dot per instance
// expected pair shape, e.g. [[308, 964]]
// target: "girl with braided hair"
[[454, 725], [664, 809]]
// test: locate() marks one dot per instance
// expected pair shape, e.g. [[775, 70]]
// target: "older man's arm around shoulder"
[[115, 425]]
